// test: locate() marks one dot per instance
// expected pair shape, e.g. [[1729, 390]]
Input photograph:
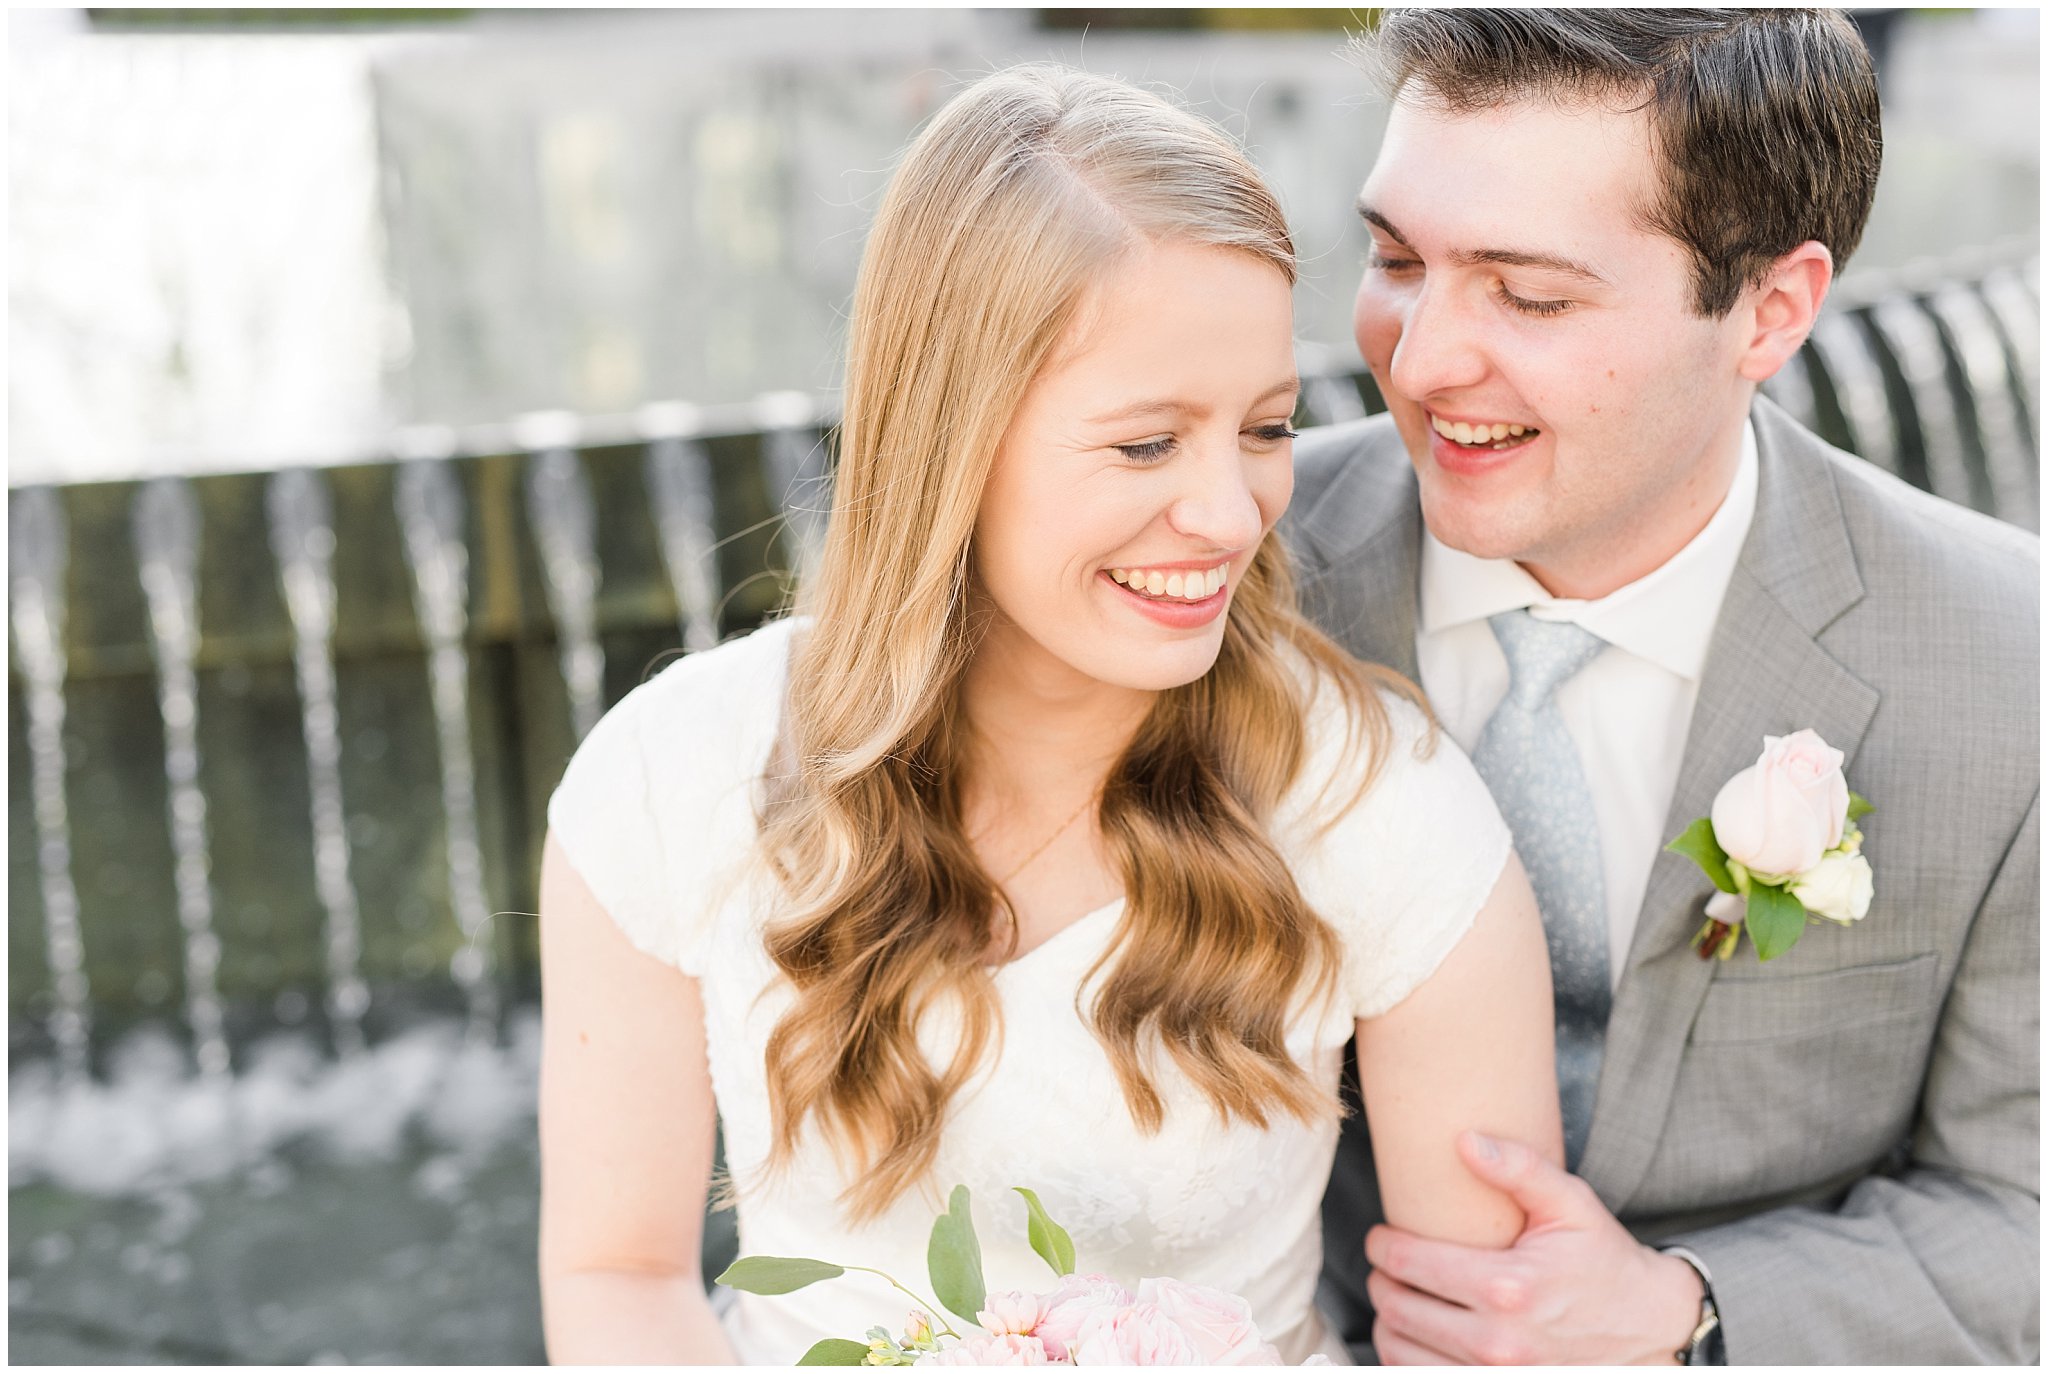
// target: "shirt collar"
[[1666, 616]]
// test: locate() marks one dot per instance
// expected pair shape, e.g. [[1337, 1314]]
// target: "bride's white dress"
[[657, 813]]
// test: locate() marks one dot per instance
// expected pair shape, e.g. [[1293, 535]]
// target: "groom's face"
[[1563, 404]]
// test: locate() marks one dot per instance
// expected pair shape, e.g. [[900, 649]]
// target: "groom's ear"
[[1782, 308]]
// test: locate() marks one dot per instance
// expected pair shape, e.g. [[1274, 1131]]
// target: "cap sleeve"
[[1402, 872], [658, 799]]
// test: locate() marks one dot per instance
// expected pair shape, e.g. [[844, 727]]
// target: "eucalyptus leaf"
[[1775, 921], [1859, 808], [835, 1351], [955, 1259], [769, 1275], [1048, 1238], [1699, 845]]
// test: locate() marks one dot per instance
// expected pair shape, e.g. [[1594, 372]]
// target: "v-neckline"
[[1057, 937]]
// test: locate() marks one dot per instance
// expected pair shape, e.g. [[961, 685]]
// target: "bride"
[[1048, 846]]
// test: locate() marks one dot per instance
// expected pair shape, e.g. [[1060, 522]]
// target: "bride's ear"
[[1783, 308]]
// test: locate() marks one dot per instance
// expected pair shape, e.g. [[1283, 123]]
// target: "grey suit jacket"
[[1849, 1135]]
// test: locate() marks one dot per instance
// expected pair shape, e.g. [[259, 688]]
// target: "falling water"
[[2001, 425], [167, 541], [794, 456], [430, 514], [1915, 345], [1844, 353], [2017, 312], [37, 558], [302, 537], [1791, 386], [559, 506], [679, 479]]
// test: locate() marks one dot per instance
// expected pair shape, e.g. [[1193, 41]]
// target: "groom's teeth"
[[1180, 585], [1492, 435]]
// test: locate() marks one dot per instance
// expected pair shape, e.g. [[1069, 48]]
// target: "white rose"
[[1838, 888]]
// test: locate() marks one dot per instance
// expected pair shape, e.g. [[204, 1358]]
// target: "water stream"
[[38, 557], [564, 520], [166, 519], [679, 481], [430, 513], [302, 538]]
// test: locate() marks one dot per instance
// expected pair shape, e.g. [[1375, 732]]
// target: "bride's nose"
[[1217, 503]]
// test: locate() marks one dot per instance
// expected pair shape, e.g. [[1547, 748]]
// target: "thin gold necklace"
[[1046, 843]]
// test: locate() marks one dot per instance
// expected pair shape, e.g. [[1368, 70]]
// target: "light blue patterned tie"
[[1533, 767]]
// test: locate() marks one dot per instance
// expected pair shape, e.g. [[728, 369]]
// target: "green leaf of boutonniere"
[[1859, 808], [1775, 921], [955, 1259], [1699, 845]]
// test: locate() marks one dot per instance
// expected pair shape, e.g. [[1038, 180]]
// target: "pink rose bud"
[[1780, 815], [1011, 1314], [1138, 1334], [1068, 1307], [1219, 1324], [984, 1350]]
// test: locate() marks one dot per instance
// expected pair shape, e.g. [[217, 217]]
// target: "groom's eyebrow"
[[1503, 257]]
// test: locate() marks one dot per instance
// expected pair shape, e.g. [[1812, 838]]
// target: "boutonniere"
[[1782, 844]]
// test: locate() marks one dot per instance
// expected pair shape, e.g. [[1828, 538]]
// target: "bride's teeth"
[[1180, 586], [1517, 429], [1462, 432], [1500, 431]]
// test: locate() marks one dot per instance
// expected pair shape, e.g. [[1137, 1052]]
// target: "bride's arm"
[[626, 1130], [1470, 1049]]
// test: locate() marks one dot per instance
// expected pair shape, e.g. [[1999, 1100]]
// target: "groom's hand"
[[1574, 1288]]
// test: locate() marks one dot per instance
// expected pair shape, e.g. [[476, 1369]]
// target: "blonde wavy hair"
[[1015, 199]]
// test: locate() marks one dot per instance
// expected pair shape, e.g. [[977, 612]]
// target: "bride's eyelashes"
[[1156, 450]]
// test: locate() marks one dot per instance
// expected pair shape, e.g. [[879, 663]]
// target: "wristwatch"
[[1704, 1346]]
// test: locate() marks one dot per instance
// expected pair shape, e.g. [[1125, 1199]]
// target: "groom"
[[1616, 569]]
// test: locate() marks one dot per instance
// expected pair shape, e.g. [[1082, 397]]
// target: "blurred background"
[[390, 390]]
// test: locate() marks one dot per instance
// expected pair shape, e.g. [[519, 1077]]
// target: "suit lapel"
[[1765, 674], [1360, 547]]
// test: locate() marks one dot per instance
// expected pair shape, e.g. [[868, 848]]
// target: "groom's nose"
[[1439, 348]]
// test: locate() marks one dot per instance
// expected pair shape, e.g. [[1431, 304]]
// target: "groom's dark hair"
[[1766, 120]]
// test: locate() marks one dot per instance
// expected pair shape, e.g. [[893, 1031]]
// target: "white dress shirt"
[[1628, 710]]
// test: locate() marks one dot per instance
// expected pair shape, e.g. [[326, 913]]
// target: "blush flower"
[[1139, 1334], [988, 1350], [1219, 1324], [1068, 1307], [1011, 1314], [1779, 815]]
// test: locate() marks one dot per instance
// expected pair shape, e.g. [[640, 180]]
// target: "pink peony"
[[1011, 1314], [1004, 1349], [1779, 815], [1067, 1307], [1219, 1324], [1139, 1334]]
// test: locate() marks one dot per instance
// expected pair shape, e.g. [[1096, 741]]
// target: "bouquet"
[[1087, 1319]]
